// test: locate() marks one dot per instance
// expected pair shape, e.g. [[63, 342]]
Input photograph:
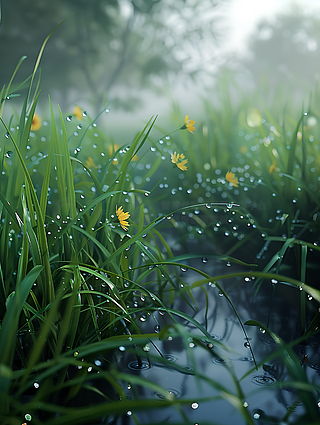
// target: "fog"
[[140, 58]]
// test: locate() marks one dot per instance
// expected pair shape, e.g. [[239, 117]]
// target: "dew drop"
[[84, 113], [7, 135], [157, 329], [204, 259], [183, 269], [69, 118]]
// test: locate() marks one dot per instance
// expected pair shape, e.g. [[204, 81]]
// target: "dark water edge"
[[275, 305]]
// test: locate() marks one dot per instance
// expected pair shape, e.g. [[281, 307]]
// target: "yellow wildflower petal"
[[174, 157], [272, 167], [232, 179], [122, 217], [189, 124], [182, 166], [191, 129], [36, 123], [90, 163], [77, 112]]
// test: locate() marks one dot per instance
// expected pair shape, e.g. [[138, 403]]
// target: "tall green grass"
[[70, 276]]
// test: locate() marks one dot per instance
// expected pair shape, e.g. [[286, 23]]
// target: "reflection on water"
[[176, 371]]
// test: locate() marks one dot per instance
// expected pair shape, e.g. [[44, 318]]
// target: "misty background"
[[145, 57]]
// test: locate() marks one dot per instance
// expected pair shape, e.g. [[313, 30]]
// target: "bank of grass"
[[84, 263]]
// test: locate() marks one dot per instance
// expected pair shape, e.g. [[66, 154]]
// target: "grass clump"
[[87, 270]]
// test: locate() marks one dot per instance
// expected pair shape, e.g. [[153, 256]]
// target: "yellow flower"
[[78, 113], [175, 158], [36, 122], [113, 149], [122, 217], [232, 179], [90, 163], [189, 124], [272, 167], [243, 149]]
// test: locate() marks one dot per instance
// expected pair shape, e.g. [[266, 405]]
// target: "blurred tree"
[[285, 52], [107, 44]]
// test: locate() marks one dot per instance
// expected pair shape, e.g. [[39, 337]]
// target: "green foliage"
[[74, 283]]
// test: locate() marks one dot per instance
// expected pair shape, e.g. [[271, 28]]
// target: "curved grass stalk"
[[210, 279], [295, 370]]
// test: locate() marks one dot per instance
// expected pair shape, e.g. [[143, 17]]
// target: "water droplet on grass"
[[69, 118]]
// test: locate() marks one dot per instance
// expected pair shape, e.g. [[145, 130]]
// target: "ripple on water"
[[172, 393], [246, 359], [219, 360], [263, 380], [135, 365]]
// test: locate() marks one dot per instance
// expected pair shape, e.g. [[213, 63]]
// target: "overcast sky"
[[242, 16]]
